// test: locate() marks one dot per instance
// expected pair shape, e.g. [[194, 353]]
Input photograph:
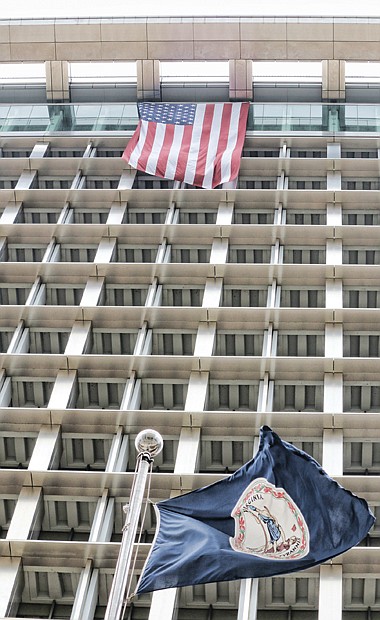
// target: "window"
[[361, 297], [304, 255], [361, 344], [233, 395], [294, 297], [125, 295], [190, 254], [113, 341], [361, 256], [257, 183], [181, 295], [160, 394], [173, 342], [360, 184], [197, 217], [305, 218], [307, 183], [296, 343], [230, 342], [250, 254], [298, 397], [245, 297], [136, 254], [253, 216]]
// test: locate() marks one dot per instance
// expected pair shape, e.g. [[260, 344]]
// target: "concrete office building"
[[130, 302]]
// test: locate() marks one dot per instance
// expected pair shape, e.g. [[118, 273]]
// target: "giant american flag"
[[197, 143]]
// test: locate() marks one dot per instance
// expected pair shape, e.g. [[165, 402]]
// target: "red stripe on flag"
[[203, 145], [183, 153], [236, 155], [222, 143], [132, 143], [147, 148], [165, 150]]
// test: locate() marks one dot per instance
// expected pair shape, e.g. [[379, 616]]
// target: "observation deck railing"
[[278, 117]]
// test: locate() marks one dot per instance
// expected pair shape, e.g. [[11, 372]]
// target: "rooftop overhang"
[[190, 38]]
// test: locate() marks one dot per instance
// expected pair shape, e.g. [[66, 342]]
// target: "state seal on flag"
[[269, 524]]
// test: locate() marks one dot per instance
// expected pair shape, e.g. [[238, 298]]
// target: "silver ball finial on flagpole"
[[149, 441], [148, 444]]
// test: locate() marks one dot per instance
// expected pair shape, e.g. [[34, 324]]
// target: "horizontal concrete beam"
[[288, 38]]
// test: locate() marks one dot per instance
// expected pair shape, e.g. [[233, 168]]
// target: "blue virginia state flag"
[[278, 514]]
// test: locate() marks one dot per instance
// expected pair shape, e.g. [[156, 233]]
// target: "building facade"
[[130, 302]]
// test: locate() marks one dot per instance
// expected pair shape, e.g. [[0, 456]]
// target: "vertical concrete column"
[[67, 215], [333, 79], [163, 605], [332, 460], [213, 293], [27, 515], [197, 391], [26, 179], [11, 213], [144, 340], [266, 391], [154, 295], [11, 579], [119, 452], [249, 588], [103, 521], [52, 253], [219, 251], [132, 394], [187, 460], [334, 252], [334, 293], [334, 214], [333, 340], [117, 213], [164, 602], [172, 214], [39, 150], [3, 248], [20, 342], [57, 80], [330, 592], [205, 340], [225, 213], [92, 292], [247, 609], [65, 390], [240, 79], [127, 179], [47, 449], [86, 596], [148, 80], [274, 295], [333, 392], [79, 339], [334, 180], [270, 341], [334, 150], [106, 250]]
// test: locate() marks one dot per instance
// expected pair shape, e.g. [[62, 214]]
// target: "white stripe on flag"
[[174, 152], [195, 142], [231, 143], [213, 145], [159, 137], [136, 153]]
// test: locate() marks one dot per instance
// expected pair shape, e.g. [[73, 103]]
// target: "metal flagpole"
[[148, 444]]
